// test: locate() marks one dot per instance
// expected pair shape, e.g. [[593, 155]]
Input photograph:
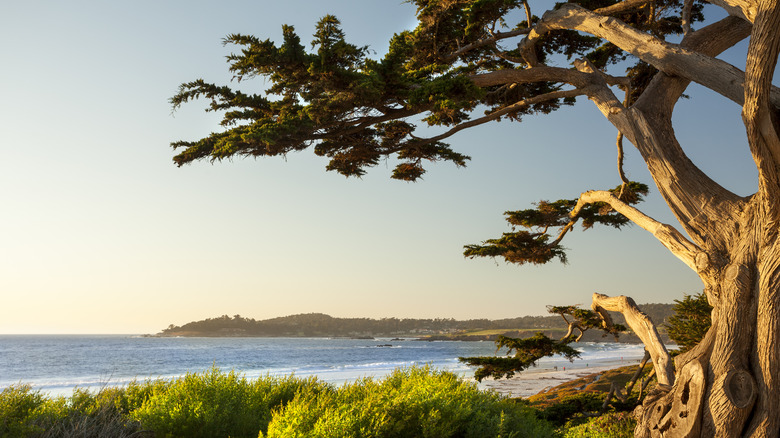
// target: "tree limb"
[[624, 6], [744, 9], [672, 59], [570, 331], [487, 41], [647, 124], [759, 116], [528, 16], [686, 16], [672, 239], [643, 327], [681, 183], [506, 110], [573, 77], [529, 75]]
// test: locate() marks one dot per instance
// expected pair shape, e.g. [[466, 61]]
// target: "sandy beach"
[[542, 378]]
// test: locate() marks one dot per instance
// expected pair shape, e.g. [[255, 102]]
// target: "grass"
[[597, 384], [564, 405]]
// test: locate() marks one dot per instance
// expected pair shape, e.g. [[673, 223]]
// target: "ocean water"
[[58, 364]]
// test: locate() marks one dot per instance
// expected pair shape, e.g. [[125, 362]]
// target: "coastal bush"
[[27, 413], [612, 425], [92, 415], [214, 404], [417, 401], [136, 393], [20, 409]]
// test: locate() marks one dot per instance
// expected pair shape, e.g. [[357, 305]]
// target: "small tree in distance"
[[690, 322], [470, 62]]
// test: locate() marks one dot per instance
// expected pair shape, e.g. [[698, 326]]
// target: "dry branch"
[[644, 329], [673, 59], [672, 239]]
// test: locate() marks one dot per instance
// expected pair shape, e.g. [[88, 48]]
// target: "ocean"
[[56, 364]]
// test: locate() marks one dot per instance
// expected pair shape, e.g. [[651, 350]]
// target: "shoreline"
[[541, 379]]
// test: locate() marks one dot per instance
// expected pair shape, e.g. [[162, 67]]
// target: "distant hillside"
[[321, 325]]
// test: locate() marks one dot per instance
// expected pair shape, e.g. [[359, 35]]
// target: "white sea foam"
[[57, 364]]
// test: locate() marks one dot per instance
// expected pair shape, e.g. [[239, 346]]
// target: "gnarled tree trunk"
[[727, 386]]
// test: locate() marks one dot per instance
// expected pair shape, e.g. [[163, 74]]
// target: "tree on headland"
[[469, 62]]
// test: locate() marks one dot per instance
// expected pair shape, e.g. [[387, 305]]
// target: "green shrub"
[[136, 393], [92, 415], [613, 425], [569, 408], [20, 408], [212, 404], [27, 413], [413, 402]]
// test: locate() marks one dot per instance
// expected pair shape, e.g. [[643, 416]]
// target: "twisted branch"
[[673, 59], [643, 327], [506, 110], [672, 239]]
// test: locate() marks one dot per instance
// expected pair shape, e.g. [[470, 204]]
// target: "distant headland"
[[322, 325]]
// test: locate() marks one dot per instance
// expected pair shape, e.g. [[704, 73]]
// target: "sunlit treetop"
[[446, 72]]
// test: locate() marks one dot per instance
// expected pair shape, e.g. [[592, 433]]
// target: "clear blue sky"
[[101, 233]]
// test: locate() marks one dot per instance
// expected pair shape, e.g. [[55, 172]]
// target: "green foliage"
[[347, 105], [612, 425], [568, 409], [534, 246], [26, 413], [526, 353], [20, 407], [584, 319], [412, 402], [210, 404], [519, 247], [690, 322], [89, 415], [215, 404], [337, 99]]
